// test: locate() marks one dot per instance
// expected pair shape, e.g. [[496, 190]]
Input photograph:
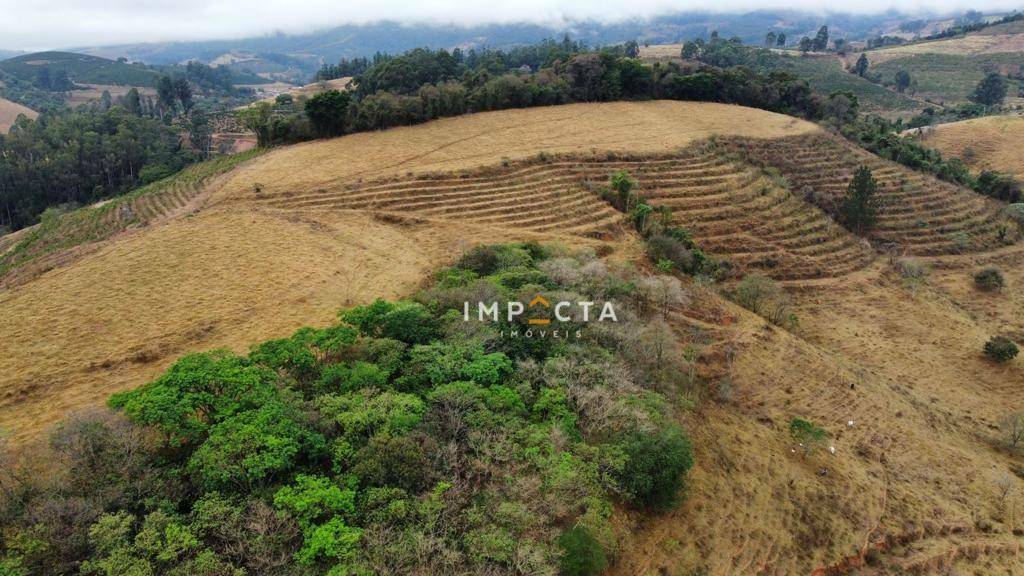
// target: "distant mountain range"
[[295, 55]]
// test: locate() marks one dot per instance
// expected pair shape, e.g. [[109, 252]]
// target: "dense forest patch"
[[403, 439]]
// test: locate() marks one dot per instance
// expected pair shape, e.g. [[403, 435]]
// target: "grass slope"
[[219, 272], [9, 112], [482, 139], [949, 78], [992, 142], [826, 75]]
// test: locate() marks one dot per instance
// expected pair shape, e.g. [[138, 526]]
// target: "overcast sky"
[[45, 24]]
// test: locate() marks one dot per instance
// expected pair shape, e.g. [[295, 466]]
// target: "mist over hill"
[[308, 51]]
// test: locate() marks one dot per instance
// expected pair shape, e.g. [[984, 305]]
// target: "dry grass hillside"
[[9, 112], [1001, 39], [208, 262], [482, 139], [992, 142], [919, 483], [888, 363]]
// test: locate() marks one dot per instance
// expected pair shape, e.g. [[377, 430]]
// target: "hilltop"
[[882, 349], [80, 68]]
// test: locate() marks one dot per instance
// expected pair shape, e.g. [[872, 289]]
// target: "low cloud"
[[67, 23]]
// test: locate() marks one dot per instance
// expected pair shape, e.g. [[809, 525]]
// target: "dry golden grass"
[[481, 139], [917, 479], [219, 278], [9, 112], [660, 52], [992, 142]]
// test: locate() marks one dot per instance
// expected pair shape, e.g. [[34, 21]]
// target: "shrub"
[[398, 461], [807, 434], [912, 271], [1016, 213], [407, 322], [989, 279], [756, 291], [582, 554], [489, 258], [655, 466], [1001, 349]]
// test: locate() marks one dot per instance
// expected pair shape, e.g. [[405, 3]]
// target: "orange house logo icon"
[[539, 300]]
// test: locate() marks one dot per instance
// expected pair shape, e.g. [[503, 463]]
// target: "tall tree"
[[132, 102], [820, 41], [991, 90], [769, 39], [861, 67], [327, 112], [903, 80], [780, 40], [165, 92], [200, 134], [806, 44], [183, 93], [859, 210]]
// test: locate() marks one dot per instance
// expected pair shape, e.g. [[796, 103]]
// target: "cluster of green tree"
[[930, 115], [348, 68], [72, 157], [772, 39], [882, 137], [883, 41], [417, 91], [58, 81], [991, 90], [395, 73], [972, 22], [402, 440], [670, 247], [26, 93], [818, 44], [208, 79]]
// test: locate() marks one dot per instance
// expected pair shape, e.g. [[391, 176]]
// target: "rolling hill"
[[80, 68], [889, 364], [348, 41], [989, 143]]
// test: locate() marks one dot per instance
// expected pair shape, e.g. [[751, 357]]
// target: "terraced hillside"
[[733, 209], [27, 253], [919, 214]]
